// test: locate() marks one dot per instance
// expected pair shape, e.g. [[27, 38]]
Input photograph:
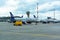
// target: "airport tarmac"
[[30, 31]]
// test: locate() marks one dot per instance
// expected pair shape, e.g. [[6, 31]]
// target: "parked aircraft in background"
[[50, 20], [24, 20], [12, 17]]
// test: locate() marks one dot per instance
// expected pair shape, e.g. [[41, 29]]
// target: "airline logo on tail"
[[12, 17]]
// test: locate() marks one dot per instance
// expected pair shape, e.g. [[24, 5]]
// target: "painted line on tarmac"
[[31, 34]]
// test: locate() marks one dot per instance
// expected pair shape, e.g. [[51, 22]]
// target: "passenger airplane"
[[50, 20], [24, 20]]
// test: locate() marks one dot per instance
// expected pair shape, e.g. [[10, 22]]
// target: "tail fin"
[[34, 16], [12, 17], [22, 16], [11, 14]]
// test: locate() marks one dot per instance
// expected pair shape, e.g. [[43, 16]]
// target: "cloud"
[[49, 6], [10, 5], [29, 1], [26, 5], [15, 6], [47, 10], [2, 2], [19, 7], [49, 14]]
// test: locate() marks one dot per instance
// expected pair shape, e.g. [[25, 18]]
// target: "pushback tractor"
[[18, 23]]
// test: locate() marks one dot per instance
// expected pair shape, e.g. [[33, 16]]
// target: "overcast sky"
[[19, 7]]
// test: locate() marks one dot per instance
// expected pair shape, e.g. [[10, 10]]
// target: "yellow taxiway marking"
[[32, 34]]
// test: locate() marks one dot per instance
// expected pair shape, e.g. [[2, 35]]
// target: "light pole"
[[54, 14], [37, 14], [37, 10]]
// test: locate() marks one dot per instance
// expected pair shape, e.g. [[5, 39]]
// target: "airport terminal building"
[[4, 19]]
